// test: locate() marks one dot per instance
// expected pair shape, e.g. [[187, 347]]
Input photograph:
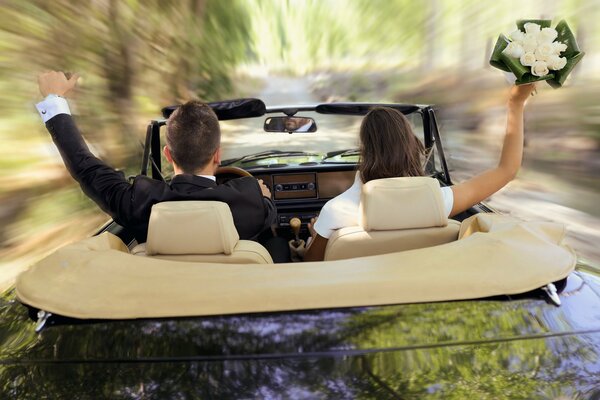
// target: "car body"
[[511, 346]]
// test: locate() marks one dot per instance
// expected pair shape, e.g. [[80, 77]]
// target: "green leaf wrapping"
[[514, 65], [572, 54], [495, 59], [566, 36], [523, 74], [561, 76], [544, 23], [529, 78]]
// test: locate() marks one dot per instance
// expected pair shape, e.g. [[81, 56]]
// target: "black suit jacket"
[[130, 203]]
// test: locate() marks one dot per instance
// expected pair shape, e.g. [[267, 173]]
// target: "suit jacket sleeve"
[[106, 186], [270, 213]]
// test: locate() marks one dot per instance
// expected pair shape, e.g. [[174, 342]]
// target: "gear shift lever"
[[295, 223]]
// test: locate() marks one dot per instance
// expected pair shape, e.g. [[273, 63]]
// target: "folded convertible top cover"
[[98, 278]]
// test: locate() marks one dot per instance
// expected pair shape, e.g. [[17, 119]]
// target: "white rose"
[[527, 59], [517, 36], [556, 63], [559, 47], [544, 51], [547, 35], [513, 50], [529, 43], [532, 28], [540, 68]]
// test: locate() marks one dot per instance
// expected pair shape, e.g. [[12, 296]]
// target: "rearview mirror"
[[290, 124]]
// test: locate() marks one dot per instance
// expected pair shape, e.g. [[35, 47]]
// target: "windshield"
[[244, 137], [245, 144]]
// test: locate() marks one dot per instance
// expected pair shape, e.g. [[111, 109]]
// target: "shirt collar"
[[196, 180], [212, 177]]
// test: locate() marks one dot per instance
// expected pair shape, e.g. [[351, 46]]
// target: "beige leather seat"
[[396, 214], [201, 231]]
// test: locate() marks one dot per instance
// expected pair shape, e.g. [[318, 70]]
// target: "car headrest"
[[191, 227], [401, 203]]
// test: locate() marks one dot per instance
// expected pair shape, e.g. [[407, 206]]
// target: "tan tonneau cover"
[[98, 278]]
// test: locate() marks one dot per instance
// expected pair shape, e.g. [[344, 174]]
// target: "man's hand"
[[56, 83], [264, 189]]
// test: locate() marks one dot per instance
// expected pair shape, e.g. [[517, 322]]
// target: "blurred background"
[[138, 56]]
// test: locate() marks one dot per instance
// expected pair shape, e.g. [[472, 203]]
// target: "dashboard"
[[301, 193]]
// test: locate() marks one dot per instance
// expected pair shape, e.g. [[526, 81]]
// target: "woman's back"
[[343, 211], [389, 149]]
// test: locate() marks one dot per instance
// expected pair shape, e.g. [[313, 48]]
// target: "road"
[[340, 134]]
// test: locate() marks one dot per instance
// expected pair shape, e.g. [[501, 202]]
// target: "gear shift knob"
[[295, 223]]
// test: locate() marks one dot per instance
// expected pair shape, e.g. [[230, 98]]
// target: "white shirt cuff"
[[51, 106]]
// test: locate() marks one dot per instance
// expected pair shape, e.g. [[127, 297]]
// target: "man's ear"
[[167, 154], [217, 157]]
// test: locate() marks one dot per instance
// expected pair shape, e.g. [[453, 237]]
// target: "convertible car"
[[407, 305]]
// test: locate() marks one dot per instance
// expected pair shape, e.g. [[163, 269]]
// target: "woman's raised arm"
[[480, 187]]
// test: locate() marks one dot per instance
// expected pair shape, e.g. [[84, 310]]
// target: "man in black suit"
[[193, 147]]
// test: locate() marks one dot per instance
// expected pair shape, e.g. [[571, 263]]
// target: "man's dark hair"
[[193, 135]]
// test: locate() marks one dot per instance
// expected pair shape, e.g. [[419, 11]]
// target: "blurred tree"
[[163, 51], [134, 57], [300, 36]]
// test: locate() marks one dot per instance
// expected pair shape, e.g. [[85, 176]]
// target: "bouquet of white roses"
[[537, 52]]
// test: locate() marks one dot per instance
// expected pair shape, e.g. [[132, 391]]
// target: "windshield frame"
[[431, 134]]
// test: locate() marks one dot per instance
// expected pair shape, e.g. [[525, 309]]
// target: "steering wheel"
[[225, 174], [232, 171]]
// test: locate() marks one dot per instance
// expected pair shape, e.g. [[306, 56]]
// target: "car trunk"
[[411, 350]]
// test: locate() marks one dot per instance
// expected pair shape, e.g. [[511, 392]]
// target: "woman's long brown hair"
[[388, 146]]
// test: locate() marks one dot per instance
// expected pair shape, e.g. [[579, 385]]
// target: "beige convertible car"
[[408, 304]]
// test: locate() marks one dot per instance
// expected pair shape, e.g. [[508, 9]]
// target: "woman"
[[389, 148]]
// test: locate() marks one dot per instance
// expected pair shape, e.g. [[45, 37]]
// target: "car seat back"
[[396, 214], [200, 231]]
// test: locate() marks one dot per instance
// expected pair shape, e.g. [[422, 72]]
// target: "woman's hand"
[[316, 245], [297, 249], [311, 227], [520, 93]]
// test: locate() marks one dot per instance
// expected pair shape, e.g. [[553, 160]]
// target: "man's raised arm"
[[103, 184]]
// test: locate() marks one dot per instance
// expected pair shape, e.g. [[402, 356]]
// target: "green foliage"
[[300, 36], [160, 50]]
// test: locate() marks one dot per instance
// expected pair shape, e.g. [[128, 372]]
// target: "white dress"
[[342, 211]]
